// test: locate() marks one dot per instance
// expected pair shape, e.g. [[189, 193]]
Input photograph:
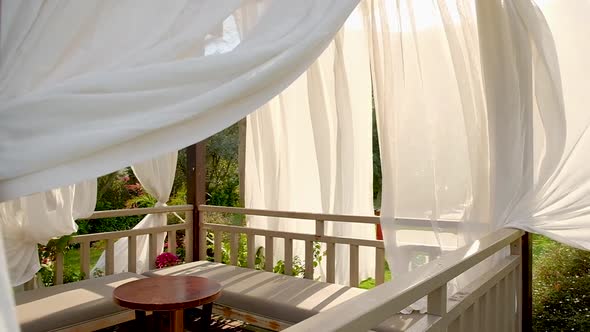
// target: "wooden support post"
[[527, 282], [196, 191], [242, 129]]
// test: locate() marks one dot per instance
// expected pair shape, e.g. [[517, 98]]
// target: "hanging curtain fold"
[[310, 149], [36, 219], [91, 87], [156, 177], [479, 123]]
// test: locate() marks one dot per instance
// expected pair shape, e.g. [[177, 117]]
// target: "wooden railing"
[[110, 238], [493, 302], [234, 233]]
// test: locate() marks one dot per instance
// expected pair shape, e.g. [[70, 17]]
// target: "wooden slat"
[[437, 301], [85, 259], [448, 225], [379, 266], [319, 227], [233, 249], [308, 274], [268, 253], [132, 253], [455, 325], [251, 251], [110, 257], [59, 268], [140, 211], [380, 302], [172, 242], [516, 249], [120, 234], [288, 256], [492, 309], [331, 263], [296, 236], [354, 265], [217, 240], [153, 250], [512, 304], [468, 321]]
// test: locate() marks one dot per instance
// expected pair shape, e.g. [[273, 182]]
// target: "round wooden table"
[[169, 293]]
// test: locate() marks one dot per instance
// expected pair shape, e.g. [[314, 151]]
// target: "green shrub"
[[561, 287]]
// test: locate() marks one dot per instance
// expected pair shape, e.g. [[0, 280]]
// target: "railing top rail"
[[131, 232], [401, 222], [380, 302], [140, 211]]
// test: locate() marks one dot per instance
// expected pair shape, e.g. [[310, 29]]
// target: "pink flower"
[[166, 259]]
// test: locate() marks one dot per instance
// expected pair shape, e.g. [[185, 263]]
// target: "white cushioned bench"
[[81, 306], [282, 300]]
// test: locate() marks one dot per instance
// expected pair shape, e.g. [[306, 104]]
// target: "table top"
[[167, 293]]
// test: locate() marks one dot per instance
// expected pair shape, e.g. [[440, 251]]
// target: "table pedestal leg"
[[206, 316], [176, 321], [140, 320]]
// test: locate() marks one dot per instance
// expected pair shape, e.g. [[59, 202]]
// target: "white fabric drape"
[[7, 310], [157, 177], [310, 149], [89, 87], [475, 125], [35, 219]]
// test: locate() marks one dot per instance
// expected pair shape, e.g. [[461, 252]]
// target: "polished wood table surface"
[[169, 293]]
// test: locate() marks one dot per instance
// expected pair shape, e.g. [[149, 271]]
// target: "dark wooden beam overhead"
[[196, 187]]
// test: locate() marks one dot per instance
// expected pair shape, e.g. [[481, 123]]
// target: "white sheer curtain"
[[310, 149], [157, 177], [91, 87], [35, 219], [475, 125], [7, 311]]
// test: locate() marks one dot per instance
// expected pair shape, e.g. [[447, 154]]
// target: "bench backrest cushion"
[[58, 306], [268, 294]]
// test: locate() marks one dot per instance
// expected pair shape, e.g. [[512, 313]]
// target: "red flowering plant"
[[166, 259]]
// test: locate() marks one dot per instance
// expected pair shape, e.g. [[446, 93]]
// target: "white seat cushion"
[[59, 306]]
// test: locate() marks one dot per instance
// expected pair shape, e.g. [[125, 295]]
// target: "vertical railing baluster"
[[85, 259], [59, 268], [379, 266], [132, 253], [172, 242], [251, 250], [437, 301], [308, 260], [233, 249], [288, 256], [268, 253], [153, 250], [516, 249], [354, 265], [331, 262], [217, 240], [110, 257]]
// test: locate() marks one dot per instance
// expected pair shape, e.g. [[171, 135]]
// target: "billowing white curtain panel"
[[475, 125], [88, 87], [7, 310], [310, 149], [35, 219], [157, 177]]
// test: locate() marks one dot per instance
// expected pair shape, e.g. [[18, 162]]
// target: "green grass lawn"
[[72, 257]]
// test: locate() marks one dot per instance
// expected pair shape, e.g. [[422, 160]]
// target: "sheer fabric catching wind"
[[36, 219], [90, 87], [157, 177], [310, 150]]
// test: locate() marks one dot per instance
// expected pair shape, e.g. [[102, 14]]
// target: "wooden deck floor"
[[218, 324]]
